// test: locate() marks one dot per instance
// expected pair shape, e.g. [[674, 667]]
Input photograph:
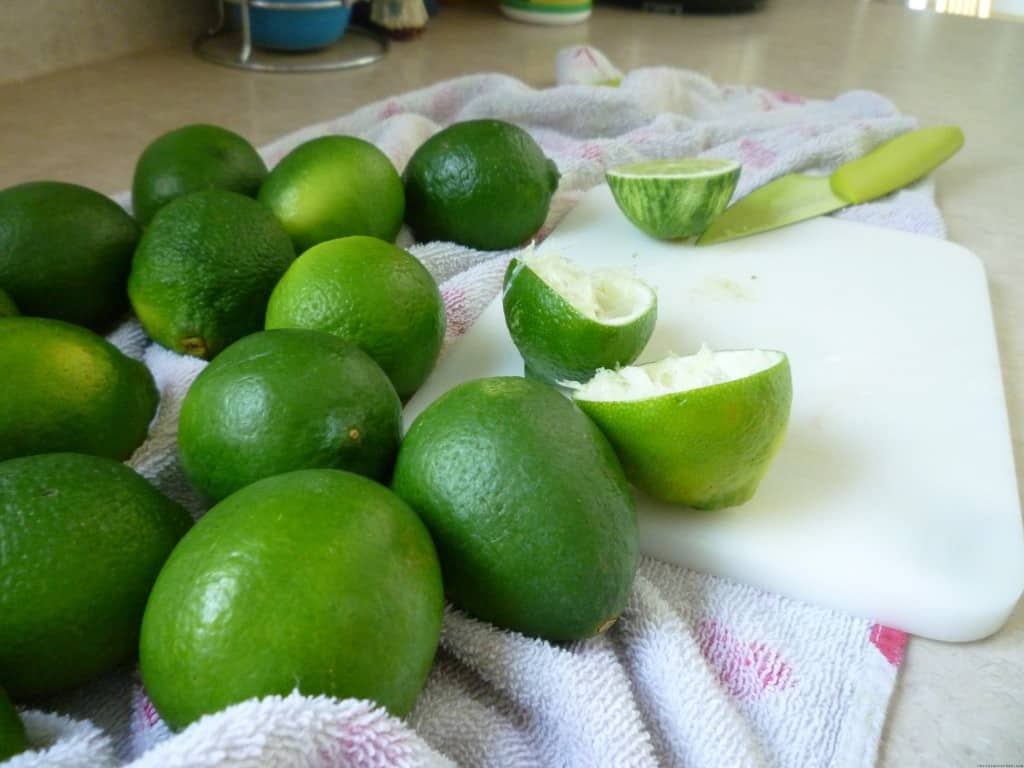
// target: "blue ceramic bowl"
[[282, 30]]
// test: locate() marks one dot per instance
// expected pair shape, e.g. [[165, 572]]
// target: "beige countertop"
[[956, 705]]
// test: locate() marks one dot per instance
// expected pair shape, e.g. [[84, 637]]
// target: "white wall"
[[40, 36]]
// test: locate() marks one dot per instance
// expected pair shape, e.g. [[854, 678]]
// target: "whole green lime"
[[68, 389], [528, 507], [371, 293], [481, 183], [335, 186], [7, 306], [320, 580], [65, 252], [282, 400], [12, 730], [204, 270], [190, 159], [82, 538]]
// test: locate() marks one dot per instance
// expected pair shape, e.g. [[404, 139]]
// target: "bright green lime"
[[204, 270], [332, 187], [698, 430], [568, 323], [282, 400], [673, 199], [320, 580], [371, 293], [68, 389], [82, 539], [12, 730], [481, 183], [527, 504], [65, 252]]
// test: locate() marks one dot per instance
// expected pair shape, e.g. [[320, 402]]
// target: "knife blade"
[[797, 196]]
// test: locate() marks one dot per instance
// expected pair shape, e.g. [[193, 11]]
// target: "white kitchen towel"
[[699, 671]]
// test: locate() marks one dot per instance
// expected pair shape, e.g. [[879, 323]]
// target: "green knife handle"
[[896, 163]]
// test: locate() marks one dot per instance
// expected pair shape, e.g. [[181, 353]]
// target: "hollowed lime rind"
[[557, 341], [705, 448], [671, 205], [687, 167]]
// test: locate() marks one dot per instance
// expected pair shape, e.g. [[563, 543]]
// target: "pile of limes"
[[332, 542], [308, 570]]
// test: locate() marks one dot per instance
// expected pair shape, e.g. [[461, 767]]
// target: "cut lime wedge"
[[674, 199], [698, 430], [567, 322]]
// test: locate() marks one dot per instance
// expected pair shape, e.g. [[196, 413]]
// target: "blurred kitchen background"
[[41, 36]]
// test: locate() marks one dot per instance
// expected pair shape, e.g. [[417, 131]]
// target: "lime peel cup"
[[699, 431]]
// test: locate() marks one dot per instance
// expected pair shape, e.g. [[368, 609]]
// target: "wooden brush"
[[401, 19]]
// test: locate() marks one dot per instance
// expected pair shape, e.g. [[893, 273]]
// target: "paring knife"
[[796, 196]]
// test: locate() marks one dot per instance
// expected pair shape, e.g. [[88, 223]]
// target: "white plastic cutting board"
[[894, 496]]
